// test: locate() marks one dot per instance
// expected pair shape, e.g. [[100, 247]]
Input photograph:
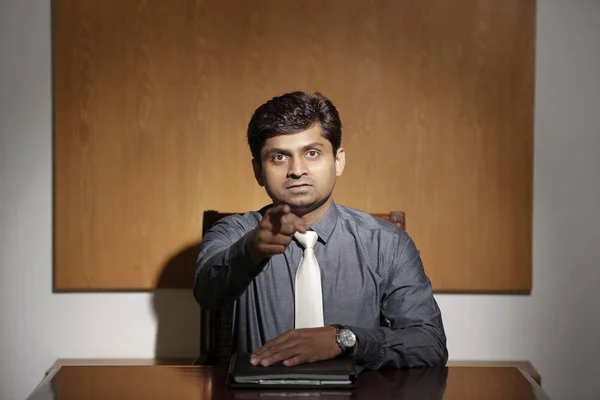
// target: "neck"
[[312, 216]]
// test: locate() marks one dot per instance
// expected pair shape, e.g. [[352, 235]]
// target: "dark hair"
[[291, 113]]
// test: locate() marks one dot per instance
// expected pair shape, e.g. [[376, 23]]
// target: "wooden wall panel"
[[152, 100]]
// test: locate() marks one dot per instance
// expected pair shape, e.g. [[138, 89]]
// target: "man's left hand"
[[299, 346]]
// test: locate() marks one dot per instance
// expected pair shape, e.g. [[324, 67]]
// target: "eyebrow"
[[312, 145], [276, 150]]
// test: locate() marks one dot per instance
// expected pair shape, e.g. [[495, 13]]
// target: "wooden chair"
[[216, 326]]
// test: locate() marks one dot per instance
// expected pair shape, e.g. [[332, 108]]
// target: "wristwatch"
[[345, 338]]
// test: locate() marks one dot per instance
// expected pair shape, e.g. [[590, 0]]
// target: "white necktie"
[[309, 296]]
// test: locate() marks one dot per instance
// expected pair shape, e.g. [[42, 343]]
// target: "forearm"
[[416, 346], [222, 275]]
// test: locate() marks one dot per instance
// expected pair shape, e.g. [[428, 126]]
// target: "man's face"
[[299, 169]]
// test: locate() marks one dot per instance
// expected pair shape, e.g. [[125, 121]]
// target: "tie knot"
[[308, 239]]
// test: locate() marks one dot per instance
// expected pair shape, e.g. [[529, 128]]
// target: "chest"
[[351, 278]]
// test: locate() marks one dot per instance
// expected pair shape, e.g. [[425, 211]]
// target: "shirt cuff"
[[370, 346]]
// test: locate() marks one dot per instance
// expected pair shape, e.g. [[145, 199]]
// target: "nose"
[[297, 168]]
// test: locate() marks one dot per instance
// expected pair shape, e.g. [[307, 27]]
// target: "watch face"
[[347, 338]]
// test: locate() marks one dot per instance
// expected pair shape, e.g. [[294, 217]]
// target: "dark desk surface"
[[203, 382]]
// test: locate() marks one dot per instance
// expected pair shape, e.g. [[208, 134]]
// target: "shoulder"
[[365, 221], [378, 232], [234, 226], [240, 221]]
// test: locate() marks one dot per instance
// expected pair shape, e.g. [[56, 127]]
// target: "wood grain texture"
[[152, 100]]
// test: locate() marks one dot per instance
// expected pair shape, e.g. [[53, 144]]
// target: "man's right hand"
[[273, 234]]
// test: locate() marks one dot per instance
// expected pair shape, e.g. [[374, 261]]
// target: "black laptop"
[[337, 373]]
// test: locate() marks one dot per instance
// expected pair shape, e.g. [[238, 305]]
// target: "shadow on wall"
[[177, 313]]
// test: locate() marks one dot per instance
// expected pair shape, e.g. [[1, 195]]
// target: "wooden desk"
[[524, 366], [204, 382]]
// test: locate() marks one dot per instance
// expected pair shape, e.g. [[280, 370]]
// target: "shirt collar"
[[325, 225]]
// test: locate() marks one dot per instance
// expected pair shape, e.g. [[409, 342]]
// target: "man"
[[365, 268]]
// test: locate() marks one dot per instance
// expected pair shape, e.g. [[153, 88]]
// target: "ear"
[[256, 166], [340, 161]]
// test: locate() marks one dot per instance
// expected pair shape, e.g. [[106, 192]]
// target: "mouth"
[[298, 186]]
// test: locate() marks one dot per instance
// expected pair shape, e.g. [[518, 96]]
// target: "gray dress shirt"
[[369, 269]]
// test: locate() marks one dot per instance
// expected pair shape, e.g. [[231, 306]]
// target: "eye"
[[313, 153], [279, 158]]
